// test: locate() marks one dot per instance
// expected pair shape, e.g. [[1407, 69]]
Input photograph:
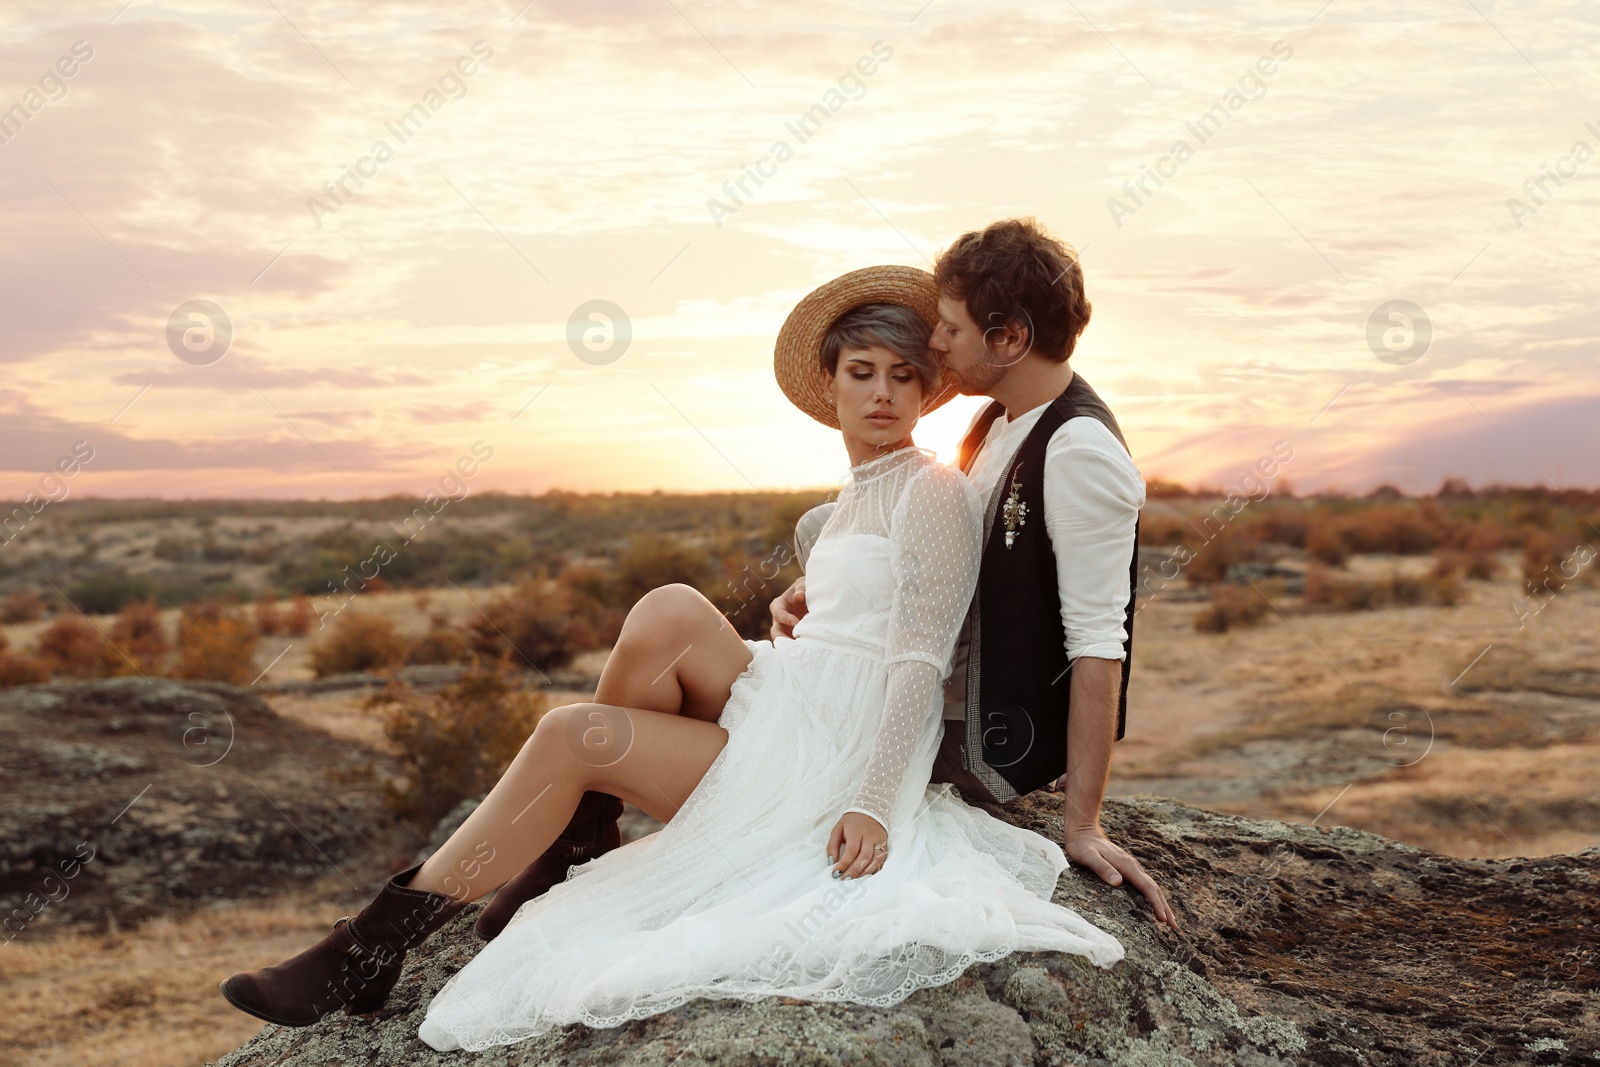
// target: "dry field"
[[1454, 729], [148, 998], [1365, 719]]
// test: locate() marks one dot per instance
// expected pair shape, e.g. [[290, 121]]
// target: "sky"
[[330, 250]]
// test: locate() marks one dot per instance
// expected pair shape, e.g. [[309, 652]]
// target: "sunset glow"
[[408, 213]]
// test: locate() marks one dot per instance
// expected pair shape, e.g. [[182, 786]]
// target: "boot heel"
[[370, 1002]]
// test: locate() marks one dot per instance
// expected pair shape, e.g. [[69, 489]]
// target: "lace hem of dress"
[[945, 971]]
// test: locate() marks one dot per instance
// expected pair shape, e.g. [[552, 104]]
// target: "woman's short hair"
[[893, 326]]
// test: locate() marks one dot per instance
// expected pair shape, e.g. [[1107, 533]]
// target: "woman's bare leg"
[[651, 759], [677, 654]]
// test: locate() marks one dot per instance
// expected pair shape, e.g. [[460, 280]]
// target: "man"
[[1051, 626], [1054, 591]]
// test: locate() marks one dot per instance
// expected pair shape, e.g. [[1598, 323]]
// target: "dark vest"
[[1018, 678]]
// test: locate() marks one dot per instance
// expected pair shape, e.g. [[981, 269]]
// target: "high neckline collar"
[[889, 460]]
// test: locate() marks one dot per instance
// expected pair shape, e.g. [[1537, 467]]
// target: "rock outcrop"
[[129, 797], [1299, 945]]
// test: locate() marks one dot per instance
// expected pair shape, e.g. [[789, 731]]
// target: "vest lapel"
[[975, 436]]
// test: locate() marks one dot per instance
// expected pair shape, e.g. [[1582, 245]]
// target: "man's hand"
[[1091, 847], [788, 609]]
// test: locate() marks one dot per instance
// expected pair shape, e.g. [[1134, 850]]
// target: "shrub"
[[443, 643], [269, 616], [17, 669], [215, 643], [456, 744], [531, 625], [174, 549], [747, 591], [652, 561], [1397, 529], [296, 622], [596, 617], [1162, 531], [1551, 561], [1231, 606], [72, 648], [139, 634], [23, 605], [1325, 545], [1284, 526], [358, 642], [1323, 589], [1213, 558], [1478, 566], [108, 592]]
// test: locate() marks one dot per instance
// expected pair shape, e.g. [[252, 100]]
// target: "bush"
[[1162, 531], [1551, 561], [457, 744], [532, 626], [22, 606], [443, 643], [296, 622], [358, 642], [19, 670], [1284, 525], [1354, 594], [1213, 558], [1397, 529], [1478, 566], [139, 634], [71, 648], [215, 643], [1324, 545], [174, 549], [652, 561], [269, 616], [1231, 606], [108, 592], [596, 617], [747, 592]]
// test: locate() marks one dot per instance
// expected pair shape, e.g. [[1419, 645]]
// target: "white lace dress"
[[733, 898]]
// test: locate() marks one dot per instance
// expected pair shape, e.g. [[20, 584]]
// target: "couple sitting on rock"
[[827, 794]]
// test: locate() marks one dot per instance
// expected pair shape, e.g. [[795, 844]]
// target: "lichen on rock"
[[1298, 945]]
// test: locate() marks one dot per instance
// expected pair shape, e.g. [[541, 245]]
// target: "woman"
[[804, 853]]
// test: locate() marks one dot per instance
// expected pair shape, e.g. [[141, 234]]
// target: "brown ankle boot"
[[354, 967], [592, 833]]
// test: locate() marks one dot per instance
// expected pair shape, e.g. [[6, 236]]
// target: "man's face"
[[958, 343]]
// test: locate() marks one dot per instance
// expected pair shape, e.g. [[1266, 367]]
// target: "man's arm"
[[1091, 729], [790, 605], [1093, 494]]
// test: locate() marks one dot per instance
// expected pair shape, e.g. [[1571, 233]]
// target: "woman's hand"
[[788, 609], [858, 845]]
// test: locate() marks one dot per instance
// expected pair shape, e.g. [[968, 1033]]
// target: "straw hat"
[[795, 356]]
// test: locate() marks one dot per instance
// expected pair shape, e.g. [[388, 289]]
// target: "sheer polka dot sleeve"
[[936, 538]]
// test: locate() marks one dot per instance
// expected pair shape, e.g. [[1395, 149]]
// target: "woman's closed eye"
[[901, 378]]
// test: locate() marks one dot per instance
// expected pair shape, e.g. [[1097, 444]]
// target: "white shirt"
[[1092, 496]]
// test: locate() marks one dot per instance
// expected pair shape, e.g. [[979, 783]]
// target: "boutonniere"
[[1015, 510]]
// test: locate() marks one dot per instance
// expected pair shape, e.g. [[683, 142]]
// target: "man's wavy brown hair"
[[1013, 272]]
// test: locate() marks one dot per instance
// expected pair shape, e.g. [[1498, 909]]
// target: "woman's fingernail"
[[836, 874]]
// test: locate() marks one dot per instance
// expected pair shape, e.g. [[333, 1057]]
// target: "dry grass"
[[1492, 682], [1473, 802], [149, 998]]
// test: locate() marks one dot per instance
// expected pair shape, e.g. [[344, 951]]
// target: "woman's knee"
[[668, 611], [584, 736]]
